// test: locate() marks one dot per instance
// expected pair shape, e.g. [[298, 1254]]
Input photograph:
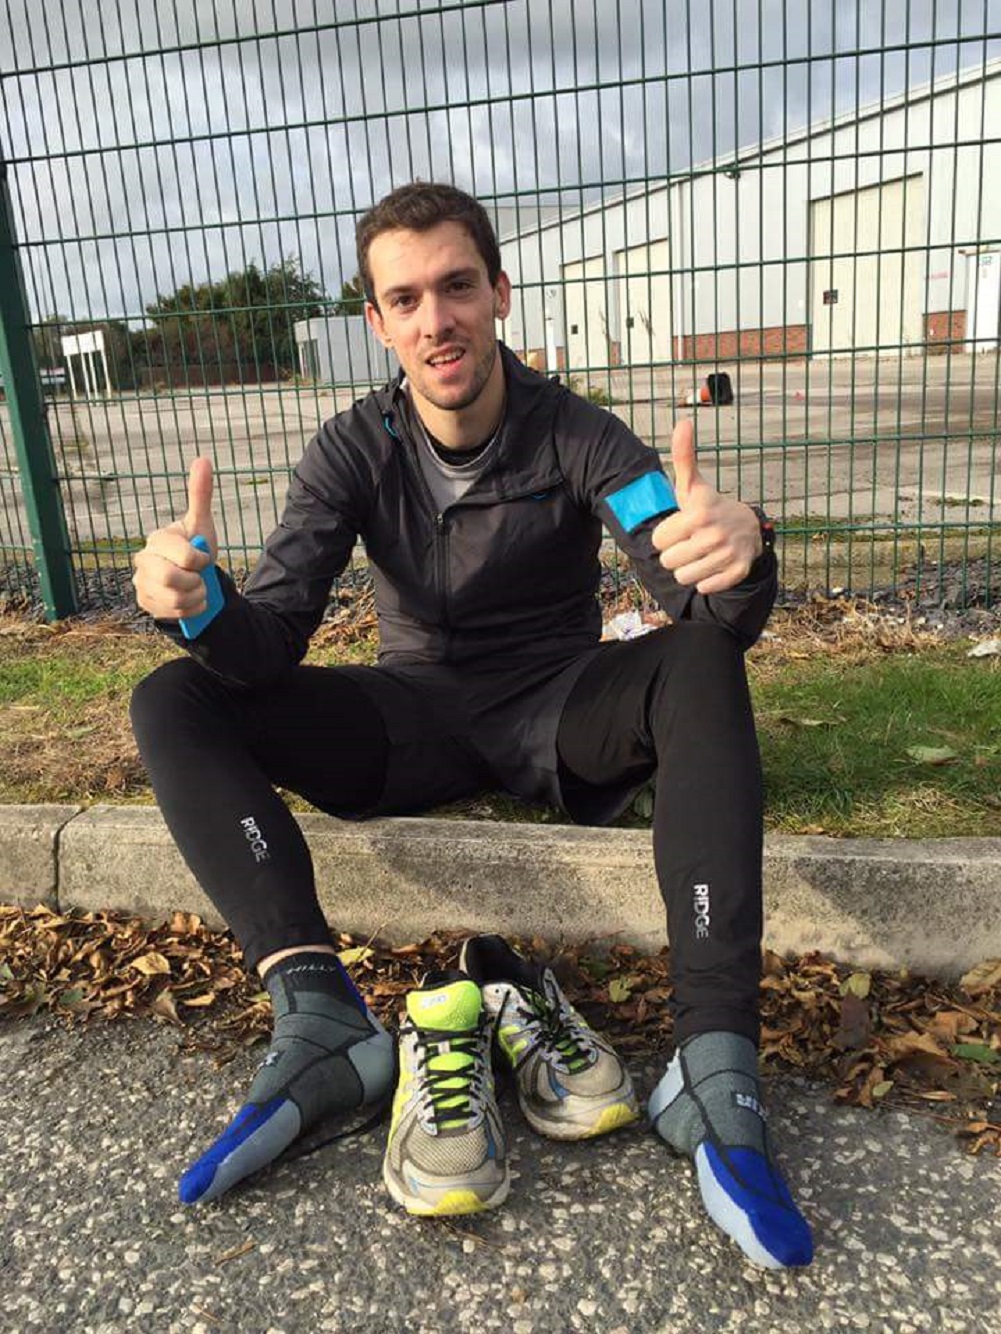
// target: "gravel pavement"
[[96, 1125]]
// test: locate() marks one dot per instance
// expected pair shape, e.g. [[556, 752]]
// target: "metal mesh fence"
[[796, 203]]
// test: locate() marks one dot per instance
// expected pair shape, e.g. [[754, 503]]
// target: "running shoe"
[[570, 1082], [446, 1153]]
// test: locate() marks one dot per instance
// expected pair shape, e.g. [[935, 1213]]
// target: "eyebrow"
[[470, 272]]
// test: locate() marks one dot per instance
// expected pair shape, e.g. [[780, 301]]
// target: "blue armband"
[[648, 497], [192, 627]]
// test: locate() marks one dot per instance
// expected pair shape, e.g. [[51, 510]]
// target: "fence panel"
[[804, 198]]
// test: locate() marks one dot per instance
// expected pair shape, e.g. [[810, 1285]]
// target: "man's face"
[[436, 310]]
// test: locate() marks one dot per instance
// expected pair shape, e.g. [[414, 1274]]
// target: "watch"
[[766, 528]]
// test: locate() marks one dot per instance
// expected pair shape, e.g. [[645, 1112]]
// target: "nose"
[[438, 320]]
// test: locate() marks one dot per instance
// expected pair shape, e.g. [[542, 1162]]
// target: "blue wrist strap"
[[192, 626]]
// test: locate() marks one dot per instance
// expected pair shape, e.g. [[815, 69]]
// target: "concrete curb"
[[933, 905]]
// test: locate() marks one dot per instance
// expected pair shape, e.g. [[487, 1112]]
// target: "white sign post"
[[85, 346]]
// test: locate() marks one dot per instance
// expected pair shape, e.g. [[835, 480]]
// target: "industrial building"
[[875, 233]]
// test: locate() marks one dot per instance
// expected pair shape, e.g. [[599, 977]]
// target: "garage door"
[[646, 304], [586, 300], [868, 304], [983, 310]]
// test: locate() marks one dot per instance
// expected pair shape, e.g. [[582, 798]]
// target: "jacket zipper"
[[441, 556], [440, 525], [441, 519]]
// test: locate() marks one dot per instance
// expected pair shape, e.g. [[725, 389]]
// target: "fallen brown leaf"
[[984, 977], [892, 1047], [151, 964], [243, 1249]]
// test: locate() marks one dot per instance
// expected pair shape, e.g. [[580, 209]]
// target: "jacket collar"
[[526, 390]]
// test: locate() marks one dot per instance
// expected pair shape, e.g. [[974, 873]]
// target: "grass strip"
[[868, 728]]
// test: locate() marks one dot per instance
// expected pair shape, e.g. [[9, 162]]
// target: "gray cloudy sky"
[[158, 142]]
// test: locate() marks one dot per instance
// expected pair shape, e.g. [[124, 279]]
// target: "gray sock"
[[708, 1106], [711, 1090], [328, 1052]]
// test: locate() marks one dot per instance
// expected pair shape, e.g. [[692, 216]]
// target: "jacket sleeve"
[[622, 480], [263, 632]]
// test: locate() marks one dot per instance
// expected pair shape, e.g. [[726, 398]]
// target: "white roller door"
[[983, 309], [645, 334], [870, 303], [586, 300]]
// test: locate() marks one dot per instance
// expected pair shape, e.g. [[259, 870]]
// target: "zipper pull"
[[439, 522], [387, 421]]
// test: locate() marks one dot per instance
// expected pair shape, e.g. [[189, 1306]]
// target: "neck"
[[463, 428]]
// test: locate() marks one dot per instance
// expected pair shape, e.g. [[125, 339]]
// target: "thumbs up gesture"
[[167, 577], [712, 540]]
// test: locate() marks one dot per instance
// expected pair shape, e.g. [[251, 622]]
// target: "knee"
[[701, 663], [701, 647], [160, 698]]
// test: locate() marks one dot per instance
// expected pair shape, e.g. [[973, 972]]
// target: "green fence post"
[[29, 426]]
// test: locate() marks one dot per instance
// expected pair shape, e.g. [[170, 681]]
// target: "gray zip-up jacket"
[[510, 570], [500, 588]]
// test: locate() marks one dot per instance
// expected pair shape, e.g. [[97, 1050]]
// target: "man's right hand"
[[167, 577]]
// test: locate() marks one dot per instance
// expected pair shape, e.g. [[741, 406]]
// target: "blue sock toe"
[[746, 1197], [254, 1138]]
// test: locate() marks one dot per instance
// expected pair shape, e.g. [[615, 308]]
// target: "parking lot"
[[855, 446]]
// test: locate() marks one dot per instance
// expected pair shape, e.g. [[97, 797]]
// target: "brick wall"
[[537, 359], [780, 340], [195, 376], [944, 328]]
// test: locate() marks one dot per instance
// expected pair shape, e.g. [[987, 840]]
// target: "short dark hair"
[[418, 207]]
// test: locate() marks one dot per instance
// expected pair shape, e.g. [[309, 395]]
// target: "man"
[[480, 489]]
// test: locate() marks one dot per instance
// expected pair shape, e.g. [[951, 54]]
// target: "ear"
[[375, 322], [502, 296]]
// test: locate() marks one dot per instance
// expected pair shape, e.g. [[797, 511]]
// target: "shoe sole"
[[613, 1117], [453, 1203]]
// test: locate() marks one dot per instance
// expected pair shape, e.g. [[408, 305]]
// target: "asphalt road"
[[608, 1236], [897, 439]]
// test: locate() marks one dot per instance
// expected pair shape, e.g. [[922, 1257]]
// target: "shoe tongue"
[[548, 987], [451, 1008]]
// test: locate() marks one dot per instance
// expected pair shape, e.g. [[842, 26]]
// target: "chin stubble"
[[482, 374]]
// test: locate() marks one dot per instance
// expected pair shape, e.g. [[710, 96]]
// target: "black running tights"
[[676, 702], [673, 705]]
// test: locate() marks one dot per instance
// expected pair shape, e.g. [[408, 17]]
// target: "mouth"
[[446, 359]]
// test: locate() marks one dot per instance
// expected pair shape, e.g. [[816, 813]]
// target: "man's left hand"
[[712, 540]]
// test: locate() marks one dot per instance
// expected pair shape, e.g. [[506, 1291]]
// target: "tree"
[[240, 324], [118, 349], [352, 298], [46, 335]]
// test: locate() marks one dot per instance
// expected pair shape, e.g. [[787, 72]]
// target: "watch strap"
[[767, 529]]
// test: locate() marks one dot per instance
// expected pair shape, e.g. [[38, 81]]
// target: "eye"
[[402, 301]]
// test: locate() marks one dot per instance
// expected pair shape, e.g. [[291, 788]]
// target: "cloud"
[[156, 145]]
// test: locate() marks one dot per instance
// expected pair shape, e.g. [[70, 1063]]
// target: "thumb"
[[686, 468], [198, 519]]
